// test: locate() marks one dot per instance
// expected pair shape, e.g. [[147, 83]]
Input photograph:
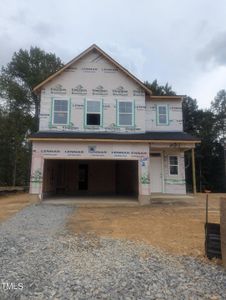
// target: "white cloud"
[[153, 39], [207, 84], [132, 58], [214, 53]]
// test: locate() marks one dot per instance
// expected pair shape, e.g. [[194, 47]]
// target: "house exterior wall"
[[174, 184], [169, 184], [175, 122], [93, 77]]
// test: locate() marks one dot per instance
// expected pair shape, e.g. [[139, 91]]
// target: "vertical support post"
[[42, 179], [193, 170], [207, 206], [206, 224]]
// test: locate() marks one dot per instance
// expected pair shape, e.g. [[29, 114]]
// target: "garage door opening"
[[90, 178]]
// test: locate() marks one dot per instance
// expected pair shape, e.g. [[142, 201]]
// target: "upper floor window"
[[125, 113], [60, 112], [93, 112], [173, 165], [162, 115]]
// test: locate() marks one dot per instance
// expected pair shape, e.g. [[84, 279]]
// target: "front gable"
[[93, 78], [93, 74]]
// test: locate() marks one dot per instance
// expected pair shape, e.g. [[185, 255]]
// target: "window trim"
[[167, 115], [53, 111], [169, 165], [101, 113], [117, 113]]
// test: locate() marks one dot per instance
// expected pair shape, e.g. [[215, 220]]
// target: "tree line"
[[19, 111]]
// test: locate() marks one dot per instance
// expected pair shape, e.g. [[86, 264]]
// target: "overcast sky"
[[176, 41]]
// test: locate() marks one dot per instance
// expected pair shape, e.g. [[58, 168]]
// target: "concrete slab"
[[170, 199], [171, 196], [92, 201]]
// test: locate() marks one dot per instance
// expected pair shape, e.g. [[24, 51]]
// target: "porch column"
[[36, 175], [144, 181], [193, 170]]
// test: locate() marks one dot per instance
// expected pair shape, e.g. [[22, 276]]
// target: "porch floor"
[[171, 196], [159, 198]]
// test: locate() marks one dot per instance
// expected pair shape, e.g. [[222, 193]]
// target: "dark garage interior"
[[69, 177]]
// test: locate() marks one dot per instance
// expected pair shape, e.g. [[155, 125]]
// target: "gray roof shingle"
[[158, 136]]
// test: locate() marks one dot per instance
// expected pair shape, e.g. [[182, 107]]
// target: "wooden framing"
[[193, 170]]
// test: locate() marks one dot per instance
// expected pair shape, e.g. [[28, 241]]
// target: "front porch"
[[168, 170]]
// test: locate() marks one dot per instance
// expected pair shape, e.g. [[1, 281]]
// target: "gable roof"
[[37, 88]]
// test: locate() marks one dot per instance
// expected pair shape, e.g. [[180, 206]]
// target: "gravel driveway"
[[37, 252]]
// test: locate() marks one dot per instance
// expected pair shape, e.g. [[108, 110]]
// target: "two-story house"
[[102, 132]]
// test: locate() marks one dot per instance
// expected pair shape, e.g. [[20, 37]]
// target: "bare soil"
[[177, 227], [12, 203]]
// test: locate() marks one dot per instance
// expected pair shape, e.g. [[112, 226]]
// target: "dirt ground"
[[177, 228], [12, 203]]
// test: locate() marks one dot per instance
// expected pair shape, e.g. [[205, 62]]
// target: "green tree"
[[218, 107], [14, 148], [160, 90], [209, 153], [22, 74], [189, 109], [19, 114]]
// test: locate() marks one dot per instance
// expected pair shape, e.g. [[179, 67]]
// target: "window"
[[93, 113], [173, 165], [125, 113], [162, 114], [60, 112]]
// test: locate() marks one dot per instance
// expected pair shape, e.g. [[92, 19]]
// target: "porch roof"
[[109, 136]]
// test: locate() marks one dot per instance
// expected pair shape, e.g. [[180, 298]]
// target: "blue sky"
[[176, 41]]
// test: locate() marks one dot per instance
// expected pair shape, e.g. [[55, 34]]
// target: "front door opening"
[[156, 172]]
